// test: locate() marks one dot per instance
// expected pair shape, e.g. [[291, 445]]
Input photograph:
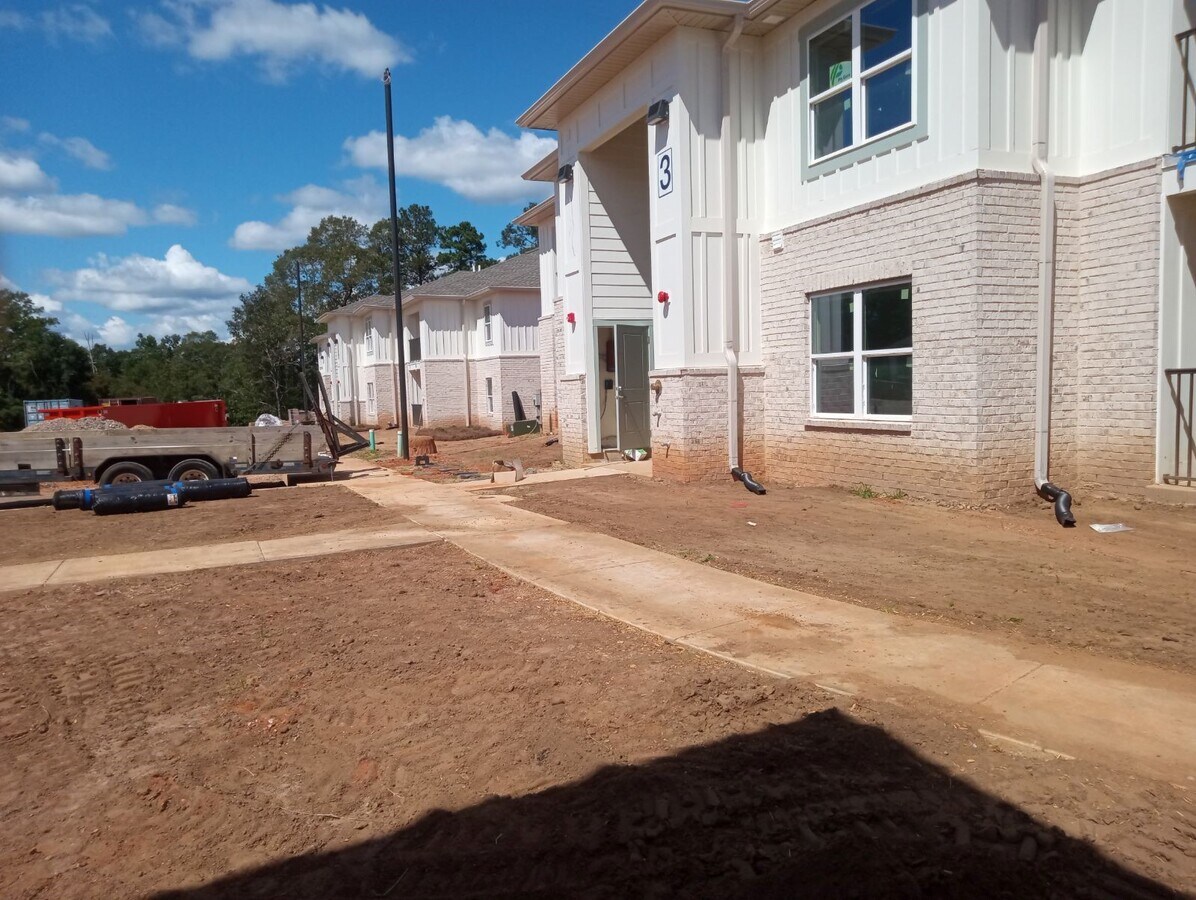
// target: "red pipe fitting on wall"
[[662, 297]]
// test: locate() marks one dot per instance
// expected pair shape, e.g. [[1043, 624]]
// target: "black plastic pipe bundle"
[[150, 499], [184, 491]]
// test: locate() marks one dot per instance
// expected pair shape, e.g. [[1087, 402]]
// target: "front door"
[[631, 386]]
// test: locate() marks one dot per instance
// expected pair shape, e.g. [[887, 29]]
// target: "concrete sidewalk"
[[188, 559], [1067, 703]]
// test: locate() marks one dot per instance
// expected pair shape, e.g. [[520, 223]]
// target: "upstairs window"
[[861, 77], [862, 353], [487, 325], [369, 337]]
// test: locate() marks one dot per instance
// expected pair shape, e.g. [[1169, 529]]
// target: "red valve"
[[571, 318], [662, 297]]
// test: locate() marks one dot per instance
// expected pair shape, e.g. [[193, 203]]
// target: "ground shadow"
[[821, 807]]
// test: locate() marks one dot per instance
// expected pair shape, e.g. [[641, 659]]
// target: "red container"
[[189, 414]]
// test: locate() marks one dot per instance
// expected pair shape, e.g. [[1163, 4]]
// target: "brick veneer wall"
[[551, 364], [444, 392], [571, 412]]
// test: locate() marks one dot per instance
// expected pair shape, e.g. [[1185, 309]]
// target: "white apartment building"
[[470, 341], [938, 246]]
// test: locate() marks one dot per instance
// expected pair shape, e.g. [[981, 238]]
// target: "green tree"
[[520, 238], [462, 248], [264, 331], [338, 264], [418, 237], [36, 362]]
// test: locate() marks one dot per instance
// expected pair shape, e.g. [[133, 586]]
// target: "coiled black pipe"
[[747, 480], [195, 491], [1062, 501], [109, 503]]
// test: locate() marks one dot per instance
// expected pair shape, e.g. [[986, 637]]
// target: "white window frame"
[[490, 395], [856, 84], [371, 401], [488, 325], [858, 355], [369, 337]]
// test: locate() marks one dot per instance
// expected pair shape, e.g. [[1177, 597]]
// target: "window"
[[489, 395], [369, 337], [371, 403], [861, 77], [861, 353], [487, 325]]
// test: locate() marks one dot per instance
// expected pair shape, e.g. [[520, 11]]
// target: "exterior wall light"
[[658, 112], [564, 174]]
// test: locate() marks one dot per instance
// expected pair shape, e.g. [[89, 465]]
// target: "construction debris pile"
[[90, 423]]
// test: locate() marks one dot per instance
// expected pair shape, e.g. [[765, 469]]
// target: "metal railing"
[[1187, 57], [1182, 384]]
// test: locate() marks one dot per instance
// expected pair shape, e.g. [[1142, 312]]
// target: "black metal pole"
[[396, 271], [299, 304]]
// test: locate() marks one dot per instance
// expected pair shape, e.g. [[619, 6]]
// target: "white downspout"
[[1046, 270], [731, 248], [465, 359]]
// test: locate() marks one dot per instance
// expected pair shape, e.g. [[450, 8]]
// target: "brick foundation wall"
[[522, 375], [1119, 320], [444, 392], [689, 424], [571, 413], [551, 364]]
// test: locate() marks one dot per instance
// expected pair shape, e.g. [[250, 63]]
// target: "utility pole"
[[302, 348], [396, 271]]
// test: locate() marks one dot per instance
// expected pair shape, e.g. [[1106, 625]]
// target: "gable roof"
[[519, 272], [647, 24]]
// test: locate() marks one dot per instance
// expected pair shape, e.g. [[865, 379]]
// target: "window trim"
[[371, 399], [488, 325], [369, 336], [914, 130], [489, 394], [858, 355]]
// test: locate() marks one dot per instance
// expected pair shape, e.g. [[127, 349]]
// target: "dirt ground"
[[1130, 595], [30, 535], [417, 724], [478, 455]]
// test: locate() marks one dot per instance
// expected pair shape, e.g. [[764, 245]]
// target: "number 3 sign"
[[664, 172]]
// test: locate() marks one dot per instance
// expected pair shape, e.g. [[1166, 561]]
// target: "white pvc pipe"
[[731, 248], [1046, 250]]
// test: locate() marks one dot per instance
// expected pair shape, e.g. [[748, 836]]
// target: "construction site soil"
[[418, 724], [32, 535], [1131, 595]]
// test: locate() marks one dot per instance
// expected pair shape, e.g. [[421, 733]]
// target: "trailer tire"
[[126, 473], [193, 470]]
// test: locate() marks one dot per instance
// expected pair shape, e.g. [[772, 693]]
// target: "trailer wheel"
[[126, 473], [193, 470]]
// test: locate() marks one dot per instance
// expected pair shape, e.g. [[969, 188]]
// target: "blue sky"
[[155, 156]]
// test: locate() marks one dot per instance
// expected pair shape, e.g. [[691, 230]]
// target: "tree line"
[[257, 369]]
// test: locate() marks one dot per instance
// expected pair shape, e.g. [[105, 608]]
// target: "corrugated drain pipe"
[[730, 262], [1046, 275]]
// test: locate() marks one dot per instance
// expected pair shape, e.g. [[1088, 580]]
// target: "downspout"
[[465, 359], [731, 248], [1046, 274]]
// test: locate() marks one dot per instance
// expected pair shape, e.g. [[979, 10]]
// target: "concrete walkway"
[[1027, 696], [215, 556]]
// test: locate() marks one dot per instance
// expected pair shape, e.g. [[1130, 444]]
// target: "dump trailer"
[[175, 454]]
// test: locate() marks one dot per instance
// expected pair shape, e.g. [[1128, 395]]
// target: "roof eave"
[[537, 213]]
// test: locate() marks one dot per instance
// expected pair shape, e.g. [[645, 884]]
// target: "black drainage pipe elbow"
[[748, 481], [1062, 501]]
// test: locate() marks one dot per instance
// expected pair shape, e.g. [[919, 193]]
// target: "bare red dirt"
[[1130, 595], [416, 724], [31, 535], [478, 455]]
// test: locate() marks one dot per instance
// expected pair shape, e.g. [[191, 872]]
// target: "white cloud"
[[80, 148], [68, 215], [46, 304], [178, 285], [74, 21], [481, 166], [8, 284], [116, 332], [12, 123], [281, 36], [19, 174], [363, 198], [170, 214]]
